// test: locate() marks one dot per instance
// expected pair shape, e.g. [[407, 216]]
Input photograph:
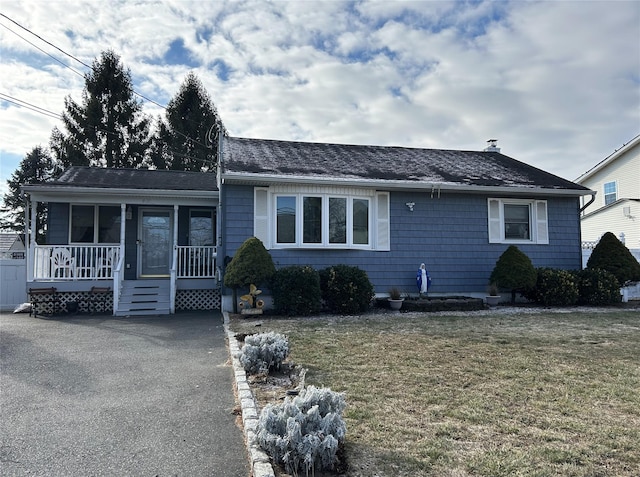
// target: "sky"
[[557, 83]]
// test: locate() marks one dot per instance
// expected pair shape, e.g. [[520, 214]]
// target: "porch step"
[[144, 297]]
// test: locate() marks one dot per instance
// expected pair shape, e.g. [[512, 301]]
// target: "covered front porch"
[[154, 250]]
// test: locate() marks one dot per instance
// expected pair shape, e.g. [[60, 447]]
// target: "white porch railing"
[[99, 262], [196, 261], [75, 262]]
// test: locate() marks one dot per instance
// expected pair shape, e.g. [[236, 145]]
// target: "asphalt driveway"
[[89, 396]]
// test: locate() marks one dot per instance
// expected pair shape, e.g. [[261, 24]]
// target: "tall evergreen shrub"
[[610, 254], [513, 271], [252, 264]]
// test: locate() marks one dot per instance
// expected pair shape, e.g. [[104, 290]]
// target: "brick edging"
[[258, 459]]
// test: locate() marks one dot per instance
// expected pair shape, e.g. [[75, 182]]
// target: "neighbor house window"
[[325, 218], [610, 193], [83, 224], [518, 221], [201, 227]]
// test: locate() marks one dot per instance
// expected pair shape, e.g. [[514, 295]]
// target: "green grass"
[[482, 395]]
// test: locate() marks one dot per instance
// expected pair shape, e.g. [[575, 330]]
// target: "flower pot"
[[395, 304], [251, 311], [492, 300]]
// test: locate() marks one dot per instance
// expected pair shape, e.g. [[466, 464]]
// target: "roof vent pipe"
[[492, 146]]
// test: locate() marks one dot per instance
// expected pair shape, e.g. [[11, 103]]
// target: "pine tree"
[[36, 167], [187, 141], [108, 128]]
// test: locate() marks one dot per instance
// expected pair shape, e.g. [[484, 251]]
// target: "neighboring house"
[[388, 209], [148, 235], [616, 207], [11, 246], [383, 209]]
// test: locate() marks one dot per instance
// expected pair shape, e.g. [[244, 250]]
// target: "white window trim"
[[265, 216], [538, 221]]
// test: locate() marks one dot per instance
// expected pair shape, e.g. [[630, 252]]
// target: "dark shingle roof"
[[136, 179], [381, 163]]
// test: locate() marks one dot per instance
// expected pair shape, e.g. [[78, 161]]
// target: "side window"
[[517, 221], [610, 193]]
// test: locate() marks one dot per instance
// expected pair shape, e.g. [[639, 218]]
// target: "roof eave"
[[269, 179], [44, 192], [608, 160]]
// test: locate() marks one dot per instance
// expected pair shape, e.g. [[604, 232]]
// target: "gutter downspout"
[[593, 198]]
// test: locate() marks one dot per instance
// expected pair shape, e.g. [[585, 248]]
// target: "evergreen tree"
[[613, 256], [107, 129], [188, 140], [36, 167], [514, 271]]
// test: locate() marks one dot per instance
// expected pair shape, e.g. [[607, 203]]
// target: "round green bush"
[[296, 291], [346, 289], [556, 287], [598, 287], [513, 271]]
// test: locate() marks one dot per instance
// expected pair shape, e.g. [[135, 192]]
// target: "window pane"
[[312, 219], [610, 194], [286, 222], [360, 221], [337, 220], [82, 223], [201, 230], [516, 222], [108, 224]]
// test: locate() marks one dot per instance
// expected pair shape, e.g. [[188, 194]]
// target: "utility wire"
[[33, 107]]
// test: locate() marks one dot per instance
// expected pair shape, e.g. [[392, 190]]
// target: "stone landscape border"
[[258, 460]]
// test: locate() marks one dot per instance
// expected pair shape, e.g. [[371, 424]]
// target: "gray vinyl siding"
[[448, 233]]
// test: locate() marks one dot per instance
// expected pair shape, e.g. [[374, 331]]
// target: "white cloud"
[[557, 82]]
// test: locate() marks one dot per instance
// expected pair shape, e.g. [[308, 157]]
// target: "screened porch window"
[[83, 224], [201, 227]]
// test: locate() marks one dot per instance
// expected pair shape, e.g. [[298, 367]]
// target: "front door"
[[155, 242]]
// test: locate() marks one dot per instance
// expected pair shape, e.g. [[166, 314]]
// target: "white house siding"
[[624, 170]]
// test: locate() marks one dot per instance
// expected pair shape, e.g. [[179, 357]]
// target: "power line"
[[33, 107]]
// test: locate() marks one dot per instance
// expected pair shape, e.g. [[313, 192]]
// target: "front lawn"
[[509, 393]]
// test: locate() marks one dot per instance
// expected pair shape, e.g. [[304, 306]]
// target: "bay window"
[[325, 218]]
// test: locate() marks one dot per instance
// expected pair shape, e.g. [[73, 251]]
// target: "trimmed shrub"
[[263, 352], [556, 287], [611, 255], [598, 287], [252, 264], [296, 290], [304, 432], [513, 271], [346, 289]]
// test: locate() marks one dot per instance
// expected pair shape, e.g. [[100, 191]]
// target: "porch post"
[[174, 266], [30, 211], [123, 222]]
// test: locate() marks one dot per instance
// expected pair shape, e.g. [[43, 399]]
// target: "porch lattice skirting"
[[186, 300]]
